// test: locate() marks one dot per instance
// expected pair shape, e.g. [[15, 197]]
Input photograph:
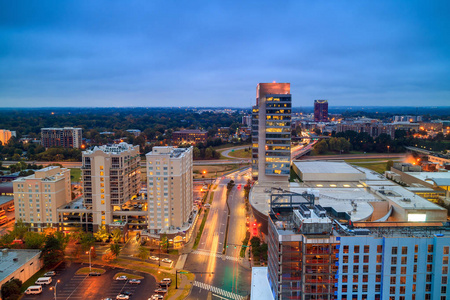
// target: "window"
[[393, 279], [378, 268], [415, 258], [429, 258], [430, 268], [444, 270], [345, 259], [430, 248], [402, 290], [355, 269], [394, 250], [377, 287], [344, 278], [428, 278], [445, 260], [403, 270], [366, 269], [443, 289], [416, 248], [356, 249], [355, 278], [379, 259], [404, 260], [378, 278], [393, 260], [366, 259], [404, 250], [366, 248], [392, 290], [427, 287], [444, 280], [393, 270], [379, 248], [446, 249], [345, 269], [356, 259]]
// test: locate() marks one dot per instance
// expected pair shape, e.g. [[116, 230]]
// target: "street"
[[230, 280]]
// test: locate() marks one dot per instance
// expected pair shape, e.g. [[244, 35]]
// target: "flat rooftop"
[[329, 167], [439, 178], [260, 289], [8, 264]]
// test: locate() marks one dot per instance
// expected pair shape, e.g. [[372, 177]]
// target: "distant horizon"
[[145, 53]]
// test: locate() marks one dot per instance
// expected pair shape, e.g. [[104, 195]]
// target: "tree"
[[20, 228], [321, 147], [389, 165], [115, 248], [53, 251], [102, 234], [34, 240], [116, 235], [108, 256], [143, 253], [11, 289], [87, 241]]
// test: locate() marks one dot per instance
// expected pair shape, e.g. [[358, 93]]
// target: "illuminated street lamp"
[[90, 265], [54, 288]]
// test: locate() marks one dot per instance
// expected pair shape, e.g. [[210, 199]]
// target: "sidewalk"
[[184, 287]]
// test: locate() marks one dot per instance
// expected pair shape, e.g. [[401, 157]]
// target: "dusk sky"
[[213, 53]]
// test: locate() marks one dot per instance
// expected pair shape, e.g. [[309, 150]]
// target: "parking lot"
[[80, 286]]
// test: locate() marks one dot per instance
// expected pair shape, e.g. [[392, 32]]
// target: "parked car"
[[156, 297], [122, 278], [154, 258], [161, 291], [134, 281], [50, 273], [166, 281], [166, 260], [127, 293], [94, 274], [122, 297]]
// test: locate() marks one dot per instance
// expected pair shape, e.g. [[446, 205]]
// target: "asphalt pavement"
[[221, 276], [84, 287]]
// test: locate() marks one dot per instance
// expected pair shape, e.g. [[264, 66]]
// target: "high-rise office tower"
[[271, 132], [5, 135], [67, 137], [320, 110], [111, 177], [170, 188]]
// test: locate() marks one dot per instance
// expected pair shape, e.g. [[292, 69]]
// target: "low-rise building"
[[19, 264], [36, 197], [67, 137], [189, 136]]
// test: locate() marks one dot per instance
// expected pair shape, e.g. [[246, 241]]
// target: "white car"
[[154, 258], [122, 278], [156, 297], [50, 273], [134, 281], [122, 297], [166, 260]]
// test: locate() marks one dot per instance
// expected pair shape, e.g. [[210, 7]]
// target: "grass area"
[[200, 231], [186, 289], [86, 270], [75, 174], [241, 153], [229, 146], [129, 276], [211, 197], [32, 280], [314, 153], [212, 170], [365, 160], [380, 167]]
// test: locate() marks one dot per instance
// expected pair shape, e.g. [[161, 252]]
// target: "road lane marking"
[[218, 291], [217, 255]]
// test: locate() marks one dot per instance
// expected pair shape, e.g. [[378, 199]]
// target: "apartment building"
[[169, 188], [36, 197], [5, 135], [271, 132], [111, 177], [67, 137], [314, 256]]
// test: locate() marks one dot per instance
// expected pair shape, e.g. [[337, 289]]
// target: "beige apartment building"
[[170, 189], [111, 177], [36, 197]]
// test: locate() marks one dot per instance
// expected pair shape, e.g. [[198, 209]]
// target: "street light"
[[90, 265], [54, 288]]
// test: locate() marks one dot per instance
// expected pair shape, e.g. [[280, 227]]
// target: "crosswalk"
[[218, 291], [207, 253]]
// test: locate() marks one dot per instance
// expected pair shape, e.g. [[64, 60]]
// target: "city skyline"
[[206, 54]]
